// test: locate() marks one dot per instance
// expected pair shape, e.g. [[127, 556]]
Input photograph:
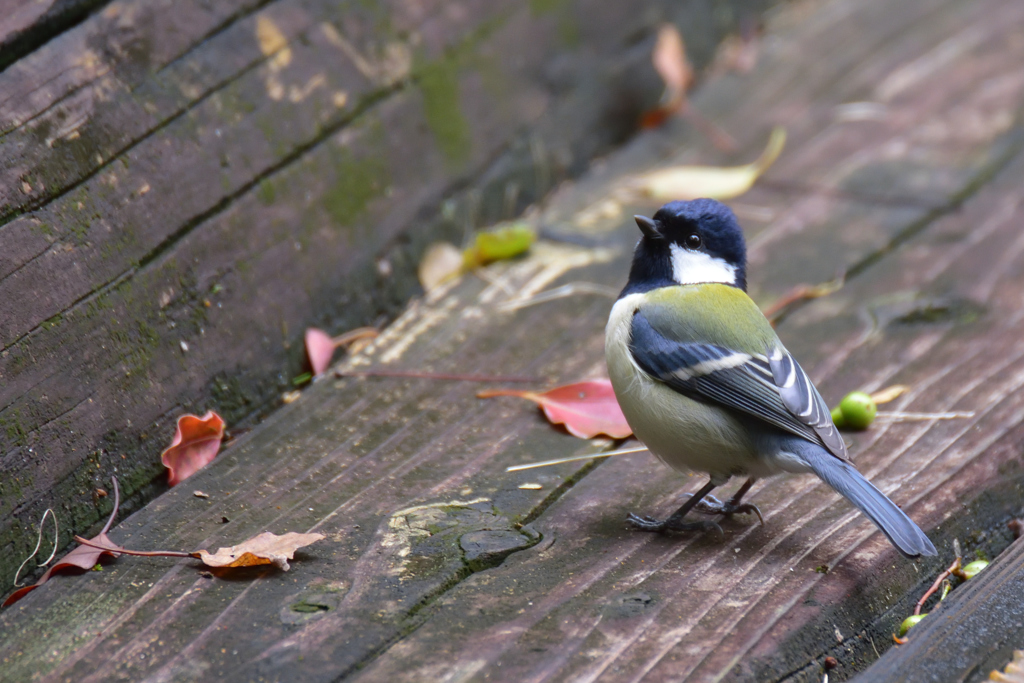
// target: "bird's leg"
[[675, 522], [712, 506]]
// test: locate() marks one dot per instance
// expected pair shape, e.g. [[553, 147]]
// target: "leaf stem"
[[140, 553]]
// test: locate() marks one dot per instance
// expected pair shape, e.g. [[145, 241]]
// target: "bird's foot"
[[644, 523], [710, 505]]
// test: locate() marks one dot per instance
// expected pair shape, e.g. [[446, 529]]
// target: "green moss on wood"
[[439, 83], [357, 183]]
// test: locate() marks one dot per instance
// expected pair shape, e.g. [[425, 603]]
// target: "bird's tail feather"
[[851, 484]]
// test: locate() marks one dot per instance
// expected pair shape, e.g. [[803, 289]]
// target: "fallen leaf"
[[669, 59], [442, 262], [266, 548], [196, 442], [585, 408], [319, 349], [890, 393], [503, 242], [83, 557], [696, 182]]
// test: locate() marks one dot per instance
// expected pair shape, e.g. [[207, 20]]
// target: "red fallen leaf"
[[196, 442], [585, 408], [83, 557]]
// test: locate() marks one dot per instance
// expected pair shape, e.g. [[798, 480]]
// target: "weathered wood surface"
[[973, 632], [438, 567], [186, 185]]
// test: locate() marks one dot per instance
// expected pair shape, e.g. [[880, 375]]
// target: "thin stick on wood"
[[140, 553], [914, 417], [952, 569], [575, 458], [803, 292], [347, 338], [450, 377]]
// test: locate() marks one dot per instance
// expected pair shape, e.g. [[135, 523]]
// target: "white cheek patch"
[[696, 267]]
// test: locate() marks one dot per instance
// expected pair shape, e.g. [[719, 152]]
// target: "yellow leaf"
[[890, 393], [442, 262], [712, 182]]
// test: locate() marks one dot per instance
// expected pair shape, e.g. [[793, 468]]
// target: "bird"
[[706, 385]]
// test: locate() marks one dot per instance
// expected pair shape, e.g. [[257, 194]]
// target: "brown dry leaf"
[[266, 548], [83, 557], [442, 262], [196, 442], [712, 182]]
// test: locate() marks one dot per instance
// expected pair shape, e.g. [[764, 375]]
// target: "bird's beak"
[[648, 227]]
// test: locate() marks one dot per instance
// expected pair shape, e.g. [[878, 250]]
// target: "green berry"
[[972, 569], [910, 622], [837, 418], [858, 410]]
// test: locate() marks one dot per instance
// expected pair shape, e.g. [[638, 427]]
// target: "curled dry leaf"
[[585, 408], [196, 442], [696, 182], [441, 263], [266, 548], [83, 557]]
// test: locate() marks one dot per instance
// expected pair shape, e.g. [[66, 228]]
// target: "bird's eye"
[[693, 241]]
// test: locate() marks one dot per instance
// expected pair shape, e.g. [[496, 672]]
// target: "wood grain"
[[186, 186], [437, 566]]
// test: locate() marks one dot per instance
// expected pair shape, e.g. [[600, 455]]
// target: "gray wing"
[[740, 381]]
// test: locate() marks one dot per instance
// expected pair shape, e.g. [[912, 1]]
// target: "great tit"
[[706, 384]]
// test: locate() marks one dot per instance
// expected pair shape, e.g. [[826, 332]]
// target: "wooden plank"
[[407, 585], [974, 631], [158, 158]]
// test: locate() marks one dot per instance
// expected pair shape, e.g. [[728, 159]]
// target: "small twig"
[[140, 553], [450, 377], [952, 569], [707, 127], [39, 543], [803, 292], [347, 338], [575, 458], [117, 504], [915, 417]]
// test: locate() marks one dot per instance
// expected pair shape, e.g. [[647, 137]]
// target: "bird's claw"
[[710, 505], [645, 523]]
